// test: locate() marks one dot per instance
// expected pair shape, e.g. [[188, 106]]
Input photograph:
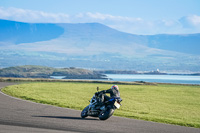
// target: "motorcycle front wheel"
[[104, 115], [84, 112]]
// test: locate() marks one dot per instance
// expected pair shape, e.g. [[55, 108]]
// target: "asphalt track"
[[19, 116]]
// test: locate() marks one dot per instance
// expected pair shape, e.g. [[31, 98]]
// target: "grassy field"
[[173, 104]]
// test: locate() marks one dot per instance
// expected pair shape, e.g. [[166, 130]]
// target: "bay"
[[179, 79]]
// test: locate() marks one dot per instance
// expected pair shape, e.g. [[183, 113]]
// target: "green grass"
[[173, 104]]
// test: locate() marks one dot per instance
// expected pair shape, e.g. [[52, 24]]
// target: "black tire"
[[104, 115], [84, 112]]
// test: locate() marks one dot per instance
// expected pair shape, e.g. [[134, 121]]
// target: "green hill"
[[29, 71]]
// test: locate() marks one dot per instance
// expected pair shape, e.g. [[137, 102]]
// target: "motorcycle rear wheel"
[[106, 114]]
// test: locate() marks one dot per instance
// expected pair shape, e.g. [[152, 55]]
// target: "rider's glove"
[[97, 93]]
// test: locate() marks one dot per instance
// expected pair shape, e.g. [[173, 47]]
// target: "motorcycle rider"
[[114, 92]]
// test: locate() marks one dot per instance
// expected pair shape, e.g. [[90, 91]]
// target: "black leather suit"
[[113, 93]]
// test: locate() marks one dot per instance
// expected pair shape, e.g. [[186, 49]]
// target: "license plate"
[[117, 105]]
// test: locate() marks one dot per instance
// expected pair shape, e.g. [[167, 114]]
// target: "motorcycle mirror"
[[97, 88]]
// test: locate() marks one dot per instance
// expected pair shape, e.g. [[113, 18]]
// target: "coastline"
[[138, 82]]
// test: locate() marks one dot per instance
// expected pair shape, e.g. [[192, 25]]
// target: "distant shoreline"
[[144, 73], [10, 79]]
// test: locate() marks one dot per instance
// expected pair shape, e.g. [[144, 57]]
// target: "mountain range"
[[95, 46]]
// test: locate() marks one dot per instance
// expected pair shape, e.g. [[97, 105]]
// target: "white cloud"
[[32, 16], [190, 24], [99, 16], [186, 25], [190, 21]]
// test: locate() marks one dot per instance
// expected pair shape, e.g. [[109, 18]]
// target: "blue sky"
[[137, 17]]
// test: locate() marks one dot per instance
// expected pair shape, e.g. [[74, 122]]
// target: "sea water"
[[182, 79]]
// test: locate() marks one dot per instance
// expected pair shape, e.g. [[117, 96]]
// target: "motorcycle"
[[103, 111]]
